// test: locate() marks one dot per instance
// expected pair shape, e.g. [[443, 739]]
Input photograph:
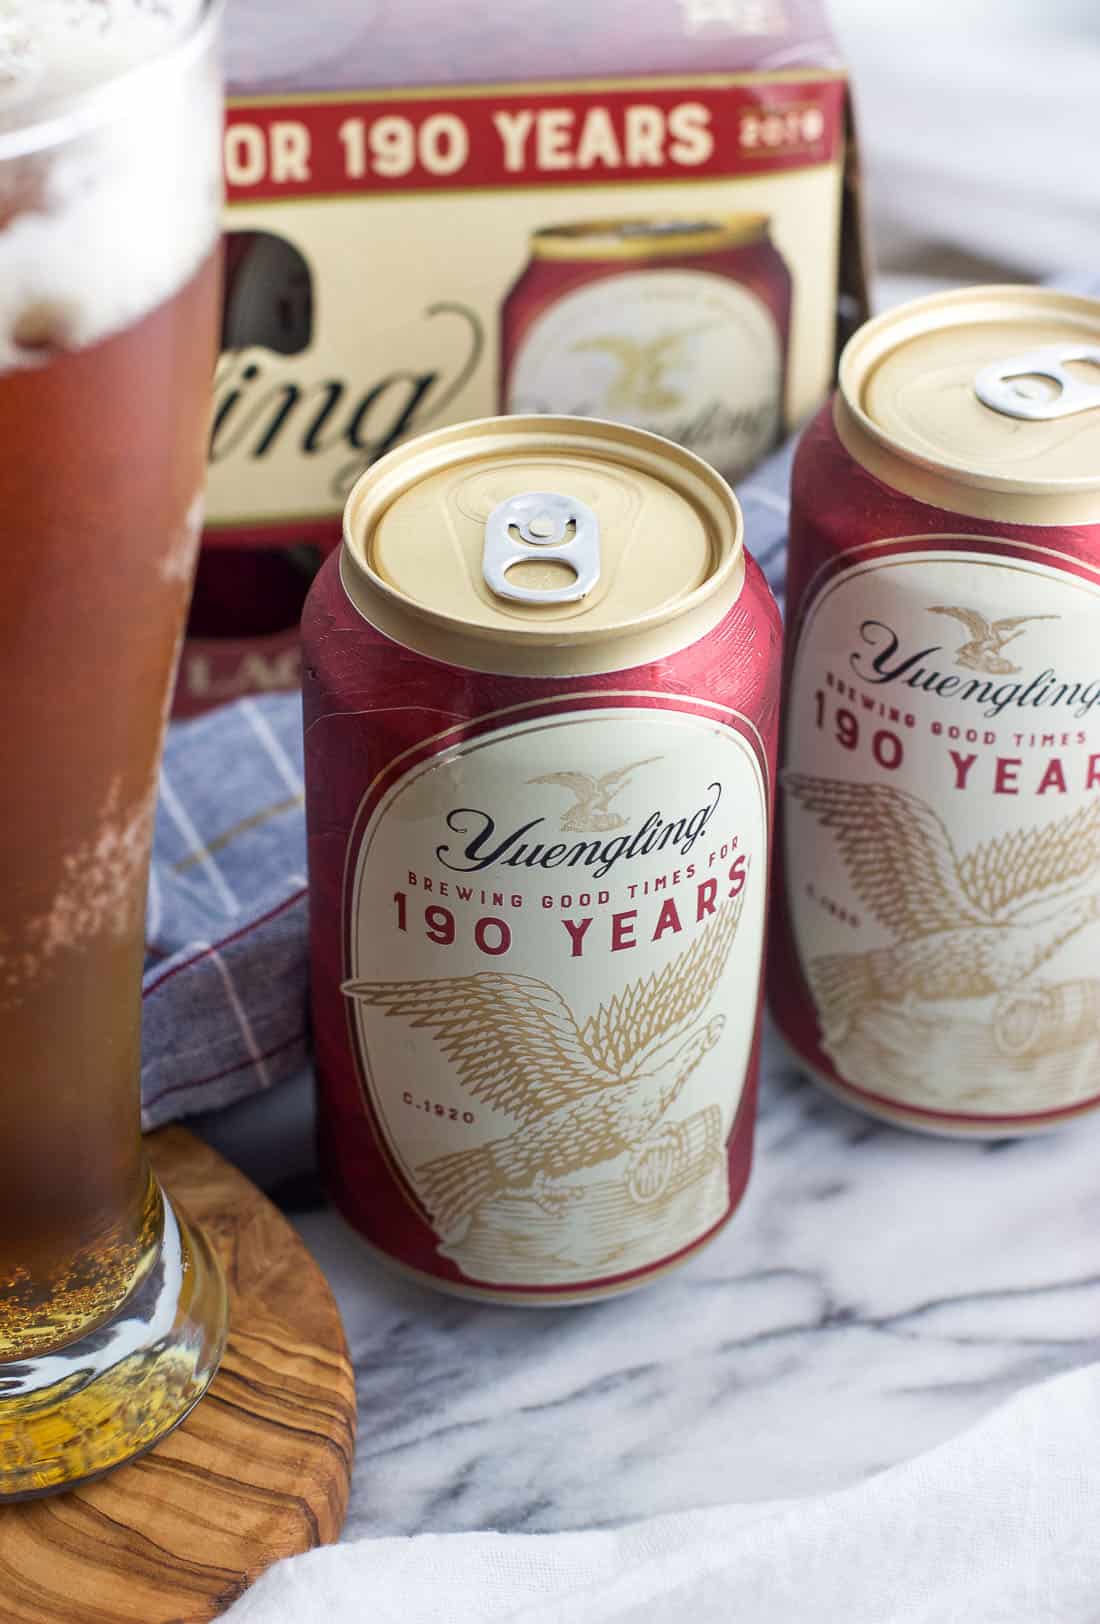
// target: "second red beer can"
[[541, 687], [936, 942]]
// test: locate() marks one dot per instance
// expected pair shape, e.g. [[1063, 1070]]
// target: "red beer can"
[[936, 941], [541, 687], [676, 326]]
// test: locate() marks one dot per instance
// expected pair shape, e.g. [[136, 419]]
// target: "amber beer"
[[936, 931], [111, 1310], [541, 691], [679, 326]]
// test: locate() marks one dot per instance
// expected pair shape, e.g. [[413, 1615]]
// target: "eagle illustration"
[[982, 652], [579, 1095], [591, 812], [641, 364], [965, 928]]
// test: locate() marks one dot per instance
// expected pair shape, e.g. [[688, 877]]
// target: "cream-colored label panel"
[[942, 829], [360, 322], [555, 944], [687, 354]]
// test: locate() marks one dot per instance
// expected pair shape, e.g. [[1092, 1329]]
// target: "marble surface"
[[877, 1292]]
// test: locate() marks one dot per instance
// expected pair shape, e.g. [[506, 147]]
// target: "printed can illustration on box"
[[678, 326]]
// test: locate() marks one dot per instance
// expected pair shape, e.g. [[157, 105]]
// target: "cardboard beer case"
[[646, 214]]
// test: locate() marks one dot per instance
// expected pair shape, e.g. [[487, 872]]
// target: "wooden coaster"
[[259, 1470]]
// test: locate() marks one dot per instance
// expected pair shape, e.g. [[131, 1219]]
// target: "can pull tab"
[[1037, 386], [541, 527]]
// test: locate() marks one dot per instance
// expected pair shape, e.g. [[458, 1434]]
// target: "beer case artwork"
[[642, 216]]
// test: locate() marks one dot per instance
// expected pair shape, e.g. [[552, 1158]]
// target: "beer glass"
[[112, 1310]]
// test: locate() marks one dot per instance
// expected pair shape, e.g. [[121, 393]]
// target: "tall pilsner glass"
[[112, 1310]]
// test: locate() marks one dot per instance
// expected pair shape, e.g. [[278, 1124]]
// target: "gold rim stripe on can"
[[648, 237], [661, 572], [984, 401]]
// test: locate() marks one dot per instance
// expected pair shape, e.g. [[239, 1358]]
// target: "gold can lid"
[[542, 544], [653, 237], [994, 387]]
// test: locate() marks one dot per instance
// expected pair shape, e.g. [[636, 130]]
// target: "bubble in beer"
[[43, 328]]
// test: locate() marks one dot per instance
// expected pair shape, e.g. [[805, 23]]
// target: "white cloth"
[[977, 135], [999, 1526]]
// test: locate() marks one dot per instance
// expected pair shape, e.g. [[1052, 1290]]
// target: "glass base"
[[71, 1415]]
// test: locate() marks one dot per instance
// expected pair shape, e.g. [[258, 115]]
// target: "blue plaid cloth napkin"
[[225, 990], [226, 969]]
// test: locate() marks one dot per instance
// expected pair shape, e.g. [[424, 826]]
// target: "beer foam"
[[53, 48], [98, 229]]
